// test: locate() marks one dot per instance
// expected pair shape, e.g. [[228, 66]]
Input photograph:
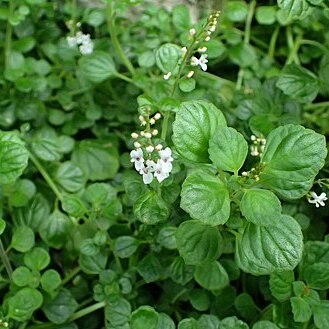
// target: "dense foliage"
[[162, 172]]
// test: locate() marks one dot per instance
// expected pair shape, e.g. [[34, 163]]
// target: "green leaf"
[[206, 198], [188, 324], [180, 272], [144, 317], [301, 310], [23, 239], [198, 243], [262, 250], [317, 276], [233, 322], [60, 309], [125, 246], [98, 66], [22, 305], [211, 276], [294, 9], [13, 157], [165, 322], [117, 311], [50, 280], [151, 209], [167, 58], [293, 157], [22, 276], [2, 226], [24, 190], [207, 321], [264, 324], [321, 314], [187, 85], [228, 149], [281, 285], [243, 55], [181, 17], [236, 11], [37, 259], [298, 83], [150, 268], [74, 206], [261, 207], [70, 177], [97, 160], [93, 264], [55, 228], [196, 122], [199, 299], [166, 237], [246, 306], [266, 15]]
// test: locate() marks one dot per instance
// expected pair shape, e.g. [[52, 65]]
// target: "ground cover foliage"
[[158, 172]]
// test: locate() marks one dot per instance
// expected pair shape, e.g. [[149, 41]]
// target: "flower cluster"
[[258, 146], [84, 42], [157, 162], [312, 197], [193, 53], [4, 324]]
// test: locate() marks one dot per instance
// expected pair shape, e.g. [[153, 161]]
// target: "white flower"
[[72, 41], [147, 171], [317, 200], [192, 32], [155, 132], [254, 151], [202, 61], [147, 135], [184, 51], [137, 157], [166, 160], [202, 50], [167, 76], [82, 38], [159, 171], [86, 48]]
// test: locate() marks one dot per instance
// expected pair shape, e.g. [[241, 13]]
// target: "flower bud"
[[137, 145], [192, 32], [157, 116], [155, 132], [134, 135], [149, 149]]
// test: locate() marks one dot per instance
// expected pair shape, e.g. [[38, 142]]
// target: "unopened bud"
[[137, 145], [167, 76], [244, 174], [190, 74], [159, 147], [152, 121], [134, 135], [207, 39], [157, 116], [183, 51], [202, 50], [212, 28], [141, 118], [148, 135], [192, 32], [149, 149], [155, 132]]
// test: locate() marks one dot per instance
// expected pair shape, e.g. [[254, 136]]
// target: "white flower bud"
[[148, 135], [159, 147], [190, 74], [212, 28], [152, 121], [155, 132], [134, 135], [183, 51], [141, 118], [167, 76], [157, 116], [149, 149], [137, 145], [192, 32], [207, 39], [244, 174], [202, 50], [253, 137]]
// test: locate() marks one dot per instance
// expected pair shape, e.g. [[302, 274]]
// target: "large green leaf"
[[293, 157], [167, 57], [281, 284], [196, 122], [261, 207], [228, 149], [262, 250], [198, 243], [98, 66], [206, 198], [321, 314], [97, 160], [298, 82], [13, 157], [294, 9], [70, 176]]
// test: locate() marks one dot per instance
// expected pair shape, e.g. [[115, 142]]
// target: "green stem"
[[5, 260], [316, 105], [123, 77], [116, 258], [86, 311], [247, 30], [46, 177], [293, 46], [274, 37], [315, 44], [9, 31], [114, 38], [70, 275]]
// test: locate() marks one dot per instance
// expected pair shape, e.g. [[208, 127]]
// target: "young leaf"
[[188, 324], [50, 280], [211, 276], [125, 246], [261, 207], [294, 9], [206, 198], [207, 321], [151, 209], [98, 66], [233, 322], [317, 276], [117, 311], [150, 268], [281, 285], [37, 259], [264, 324], [23, 239], [144, 317], [246, 306], [301, 310], [261, 250], [293, 156], [198, 243], [70, 176], [298, 82], [22, 276], [167, 57], [165, 322], [196, 122], [228, 149]]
